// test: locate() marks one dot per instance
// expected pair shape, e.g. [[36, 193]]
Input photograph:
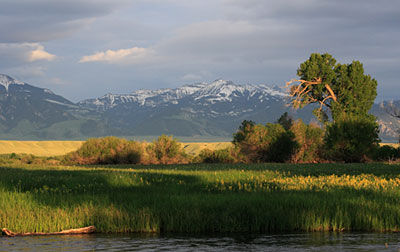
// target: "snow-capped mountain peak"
[[214, 92], [6, 81], [226, 90]]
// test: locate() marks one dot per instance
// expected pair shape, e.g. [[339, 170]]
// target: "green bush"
[[282, 145], [166, 150], [269, 143], [108, 150], [217, 156], [310, 142], [14, 156], [351, 140], [250, 140], [386, 152]]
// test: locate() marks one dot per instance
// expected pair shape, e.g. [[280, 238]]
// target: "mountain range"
[[201, 111]]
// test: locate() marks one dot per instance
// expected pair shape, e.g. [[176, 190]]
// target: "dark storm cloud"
[[357, 11], [44, 20], [159, 43], [272, 38]]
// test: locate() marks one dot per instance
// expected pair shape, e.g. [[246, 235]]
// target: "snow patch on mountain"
[[6, 81], [201, 93], [47, 91], [221, 90]]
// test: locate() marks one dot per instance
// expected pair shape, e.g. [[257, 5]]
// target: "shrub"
[[386, 152], [310, 142], [226, 155], [269, 143], [27, 159], [351, 139], [108, 150], [251, 141], [282, 145], [6, 160], [14, 156], [166, 150]]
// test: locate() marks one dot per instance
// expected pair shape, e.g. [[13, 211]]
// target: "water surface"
[[238, 242]]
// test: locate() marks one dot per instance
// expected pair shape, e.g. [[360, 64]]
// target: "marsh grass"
[[208, 198]]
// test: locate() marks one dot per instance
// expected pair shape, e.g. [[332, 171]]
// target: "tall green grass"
[[202, 198]]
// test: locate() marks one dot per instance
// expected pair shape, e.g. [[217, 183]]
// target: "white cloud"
[[24, 61], [122, 56], [14, 54], [40, 54]]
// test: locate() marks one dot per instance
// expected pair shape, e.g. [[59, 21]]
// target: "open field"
[[395, 145], [39, 148], [202, 198], [56, 148]]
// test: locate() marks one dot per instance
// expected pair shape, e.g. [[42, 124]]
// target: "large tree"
[[346, 94], [339, 89]]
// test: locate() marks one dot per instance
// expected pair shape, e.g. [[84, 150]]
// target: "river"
[[237, 242]]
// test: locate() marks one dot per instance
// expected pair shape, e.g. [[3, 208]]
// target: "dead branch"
[[84, 230], [301, 92], [323, 102], [333, 96]]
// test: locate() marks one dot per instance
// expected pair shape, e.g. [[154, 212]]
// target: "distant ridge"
[[193, 112], [24, 107], [201, 109], [217, 91]]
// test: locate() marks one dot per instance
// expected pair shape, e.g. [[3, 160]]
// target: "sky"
[[86, 48]]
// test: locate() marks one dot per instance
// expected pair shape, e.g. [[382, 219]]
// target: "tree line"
[[347, 132]]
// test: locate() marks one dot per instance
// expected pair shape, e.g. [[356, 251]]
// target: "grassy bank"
[[202, 198]]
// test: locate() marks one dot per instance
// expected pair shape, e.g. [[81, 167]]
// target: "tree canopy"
[[339, 89], [286, 121]]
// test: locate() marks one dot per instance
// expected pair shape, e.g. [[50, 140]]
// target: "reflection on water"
[[173, 242]]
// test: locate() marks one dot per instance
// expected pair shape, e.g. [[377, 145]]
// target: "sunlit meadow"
[[202, 198]]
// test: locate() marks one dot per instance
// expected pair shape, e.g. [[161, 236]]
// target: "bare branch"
[[301, 93], [333, 96]]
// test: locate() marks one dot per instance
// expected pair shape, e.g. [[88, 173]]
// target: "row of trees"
[[284, 141], [294, 141], [344, 95]]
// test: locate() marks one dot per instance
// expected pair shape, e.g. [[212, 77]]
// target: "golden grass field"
[[56, 148], [39, 148], [395, 145]]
